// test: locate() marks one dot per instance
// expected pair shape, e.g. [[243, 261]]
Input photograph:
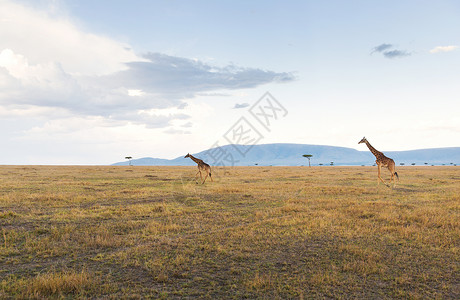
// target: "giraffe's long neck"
[[195, 159], [373, 150]]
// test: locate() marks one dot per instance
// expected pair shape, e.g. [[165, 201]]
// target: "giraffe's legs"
[[380, 178], [391, 168], [205, 178], [196, 175], [393, 178]]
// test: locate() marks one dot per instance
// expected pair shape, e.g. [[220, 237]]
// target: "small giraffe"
[[202, 166], [382, 161]]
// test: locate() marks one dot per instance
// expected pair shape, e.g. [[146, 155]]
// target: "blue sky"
[[90, 82]]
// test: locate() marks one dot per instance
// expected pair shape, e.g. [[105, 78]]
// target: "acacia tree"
[[129, 158], [308, 156]]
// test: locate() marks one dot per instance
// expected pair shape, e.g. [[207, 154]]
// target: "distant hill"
[[291, 155]]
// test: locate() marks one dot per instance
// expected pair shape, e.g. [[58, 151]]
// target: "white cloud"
[[46, 61], [439, 49], [176, 131], [62, 85], [44, 84], [160, 83], [135, 93], [42, 37]]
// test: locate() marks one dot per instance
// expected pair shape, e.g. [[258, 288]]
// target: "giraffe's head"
[[188, 155], [363, 140]]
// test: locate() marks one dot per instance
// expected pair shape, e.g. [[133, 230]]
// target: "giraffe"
[[202, 166], [382, 161]]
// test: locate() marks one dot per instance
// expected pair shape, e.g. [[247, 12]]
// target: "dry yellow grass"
[[255, 232]]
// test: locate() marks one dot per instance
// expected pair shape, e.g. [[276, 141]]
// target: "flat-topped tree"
[[308, 156]]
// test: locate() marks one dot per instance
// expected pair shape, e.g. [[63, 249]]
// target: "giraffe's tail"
[[397, 176]]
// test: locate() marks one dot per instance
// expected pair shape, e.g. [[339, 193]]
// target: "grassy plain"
[[255, 232]]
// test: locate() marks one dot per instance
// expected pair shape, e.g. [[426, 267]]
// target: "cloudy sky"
[[90, 82]]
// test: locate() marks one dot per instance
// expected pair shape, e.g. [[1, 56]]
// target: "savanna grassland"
[[255, 232]]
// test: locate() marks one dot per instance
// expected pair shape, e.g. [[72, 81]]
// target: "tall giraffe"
[[202, 166], [382, 161]]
